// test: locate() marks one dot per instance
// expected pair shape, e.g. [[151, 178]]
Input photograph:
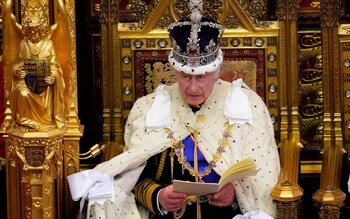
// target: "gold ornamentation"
[[288, 209], [161, 165], [316, 4], [346, 28], [37, 202], [178, 147], [35, 49], [35, 155], [211, 9], [2, 163], [36, 42], [232, 22], [200, 118], [103, 12], [310, 89], [255, 9], [38, 7], [140, 10], [330, 211], [164, 22], [158, 73], [330, 14], [20, 147]]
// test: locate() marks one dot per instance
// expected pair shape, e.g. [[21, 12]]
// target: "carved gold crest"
[[35, 155]]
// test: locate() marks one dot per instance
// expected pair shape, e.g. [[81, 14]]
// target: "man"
[[192, 130]]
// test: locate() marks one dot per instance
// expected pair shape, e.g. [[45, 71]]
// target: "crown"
[[195, 43]]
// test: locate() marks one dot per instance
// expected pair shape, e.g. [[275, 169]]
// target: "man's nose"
[[193, 84]]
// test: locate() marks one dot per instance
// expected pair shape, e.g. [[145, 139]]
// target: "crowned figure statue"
[[38, 86], [38, 66]]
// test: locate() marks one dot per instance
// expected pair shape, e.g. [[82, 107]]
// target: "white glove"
[[255, 214]]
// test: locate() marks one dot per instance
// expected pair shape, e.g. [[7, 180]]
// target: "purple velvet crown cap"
[[181, 35], [203, 57]]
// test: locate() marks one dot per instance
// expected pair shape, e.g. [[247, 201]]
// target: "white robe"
[[254, 140]]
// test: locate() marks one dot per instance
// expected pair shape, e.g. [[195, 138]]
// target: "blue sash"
[[213, 177]]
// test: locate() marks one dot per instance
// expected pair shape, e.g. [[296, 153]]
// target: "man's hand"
[[224, 197], [170, 200], [50, 79], [19, 72]]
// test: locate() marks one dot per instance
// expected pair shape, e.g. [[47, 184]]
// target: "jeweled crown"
[[196, 43]]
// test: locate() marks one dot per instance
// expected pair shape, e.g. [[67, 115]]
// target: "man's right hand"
[[20, 73], [170, 200]]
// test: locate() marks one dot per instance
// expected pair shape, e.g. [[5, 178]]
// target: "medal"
[[34, 49]]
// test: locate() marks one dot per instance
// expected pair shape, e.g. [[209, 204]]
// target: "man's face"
[[195, 89], [34, 34]]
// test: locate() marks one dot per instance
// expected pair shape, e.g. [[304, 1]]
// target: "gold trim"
[[161, 165], [307, 167]]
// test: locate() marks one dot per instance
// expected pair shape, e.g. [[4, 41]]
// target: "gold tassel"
[[189, 199], [198, 209], [172, 163]]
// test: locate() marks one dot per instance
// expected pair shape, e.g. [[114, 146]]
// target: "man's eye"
[[201, 77]]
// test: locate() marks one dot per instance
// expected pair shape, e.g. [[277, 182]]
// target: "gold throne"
[[41, 126], [266, 54]]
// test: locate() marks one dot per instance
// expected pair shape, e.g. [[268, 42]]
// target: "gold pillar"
[[287, 193], [41, 191], [112, 92], [33, 166], [112, 78], [71, 164], [329, 198]]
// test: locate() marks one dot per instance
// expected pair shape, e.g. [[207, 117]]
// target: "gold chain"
[[178, 147]]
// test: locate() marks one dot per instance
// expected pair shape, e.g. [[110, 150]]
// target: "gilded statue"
[[37, 74]]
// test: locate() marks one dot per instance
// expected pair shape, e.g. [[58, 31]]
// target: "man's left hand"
[[224, 197], [50, 79]]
